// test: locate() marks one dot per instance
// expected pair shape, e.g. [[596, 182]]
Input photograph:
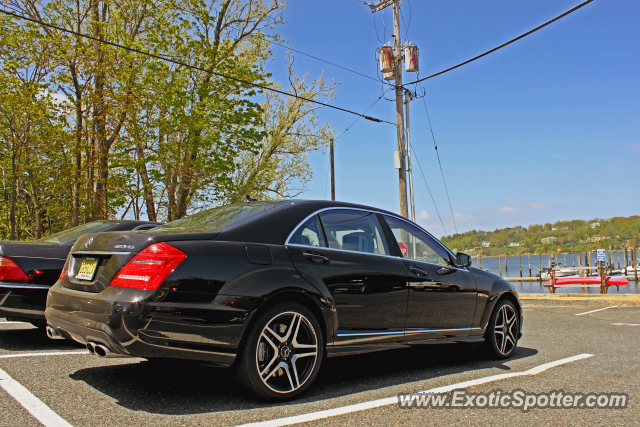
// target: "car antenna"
[[250, 199]]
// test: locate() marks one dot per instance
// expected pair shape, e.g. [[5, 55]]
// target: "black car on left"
[[29, 268]]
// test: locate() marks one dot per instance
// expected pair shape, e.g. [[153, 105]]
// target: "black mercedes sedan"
[[29, 268], [273, 287]]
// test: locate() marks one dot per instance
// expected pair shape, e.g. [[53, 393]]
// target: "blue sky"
[[545, 129]]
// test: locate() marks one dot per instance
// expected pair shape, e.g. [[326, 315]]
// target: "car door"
[[442, 297], [345, 250]]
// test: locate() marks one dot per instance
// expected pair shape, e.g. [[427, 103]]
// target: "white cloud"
[[504, 211], [462, 217], [530, 204], [424, 215]]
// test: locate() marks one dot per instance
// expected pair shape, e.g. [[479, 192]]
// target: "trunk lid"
[[110, 251]]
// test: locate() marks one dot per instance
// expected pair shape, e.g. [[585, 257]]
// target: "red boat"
[[608, 281]]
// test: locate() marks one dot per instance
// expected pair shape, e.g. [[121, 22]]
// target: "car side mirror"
[[463, 260]]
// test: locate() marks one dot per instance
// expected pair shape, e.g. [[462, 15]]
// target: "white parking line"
[[51, 353], [12, 323], [593, 311], [626, 324], [39, 410], [314, 416]]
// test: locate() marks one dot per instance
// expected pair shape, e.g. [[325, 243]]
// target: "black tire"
[[503, 331], [281, 362]]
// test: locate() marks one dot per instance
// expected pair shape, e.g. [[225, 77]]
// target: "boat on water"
[[630, 270], [563, 272]]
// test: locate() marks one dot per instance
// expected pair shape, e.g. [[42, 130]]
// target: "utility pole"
[[397, 53], [397, 61], [333, 177], [407, 101]]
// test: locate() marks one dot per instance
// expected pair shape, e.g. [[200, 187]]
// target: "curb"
[[581, 297]]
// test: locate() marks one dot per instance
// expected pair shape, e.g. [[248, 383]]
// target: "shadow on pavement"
[[30, 338], [179, 388]]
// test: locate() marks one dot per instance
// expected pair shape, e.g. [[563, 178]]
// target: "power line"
[[504, 44], [439, 163], [164, 58], [321, 60], [370, 107], [344, 131], [415, 156]]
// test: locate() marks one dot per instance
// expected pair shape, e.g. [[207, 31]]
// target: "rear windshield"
[[223, 217], [72, 234]]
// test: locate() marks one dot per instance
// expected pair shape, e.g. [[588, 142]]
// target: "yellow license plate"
[[87, 269]]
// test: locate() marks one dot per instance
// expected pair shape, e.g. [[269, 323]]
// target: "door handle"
[[311, 256], [445, 270], [418, 271]]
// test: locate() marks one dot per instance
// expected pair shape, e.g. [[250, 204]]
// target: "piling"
[[500, 264], [529, 255], [540, 266], [626, 259], [635, 264]]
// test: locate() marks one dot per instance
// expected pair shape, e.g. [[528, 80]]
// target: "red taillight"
[[149, 268], [9, 270], [65, 271]]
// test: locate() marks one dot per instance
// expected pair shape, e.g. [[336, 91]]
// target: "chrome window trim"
[[335, 249], [424, 231], [375, 212], [343, 250]]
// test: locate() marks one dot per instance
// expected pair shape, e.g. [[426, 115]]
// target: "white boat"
[[631, 270], [563, 272]]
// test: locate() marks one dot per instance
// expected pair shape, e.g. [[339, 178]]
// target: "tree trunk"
[[146, 183], [36, 204], [99, 210]]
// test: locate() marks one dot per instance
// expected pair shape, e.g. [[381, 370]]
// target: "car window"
[[353, 231], [416, 244], [71, 235], [224, 217], [308, 234]]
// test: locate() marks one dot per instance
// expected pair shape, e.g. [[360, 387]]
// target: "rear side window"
[[350, 230], [308, 234]]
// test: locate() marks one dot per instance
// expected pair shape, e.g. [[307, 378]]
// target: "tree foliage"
[[566, 236], [90, 131]]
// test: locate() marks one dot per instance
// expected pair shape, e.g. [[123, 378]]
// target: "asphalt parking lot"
[[58, 382]]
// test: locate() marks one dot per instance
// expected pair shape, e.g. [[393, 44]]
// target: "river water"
[[511, 268]]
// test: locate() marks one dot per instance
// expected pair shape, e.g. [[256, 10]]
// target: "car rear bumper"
[[23, 301], [132, 322]]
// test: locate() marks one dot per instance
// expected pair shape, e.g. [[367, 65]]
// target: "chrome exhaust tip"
[[53, 334], [91, 347], [102, 350]]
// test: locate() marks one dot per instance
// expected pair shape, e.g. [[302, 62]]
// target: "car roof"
[[275, 227]]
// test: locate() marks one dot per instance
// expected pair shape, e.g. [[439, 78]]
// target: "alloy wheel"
[[506, 330], [287, 352]]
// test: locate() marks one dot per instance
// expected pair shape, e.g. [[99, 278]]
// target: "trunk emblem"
[[124, 247], [88, 242]]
